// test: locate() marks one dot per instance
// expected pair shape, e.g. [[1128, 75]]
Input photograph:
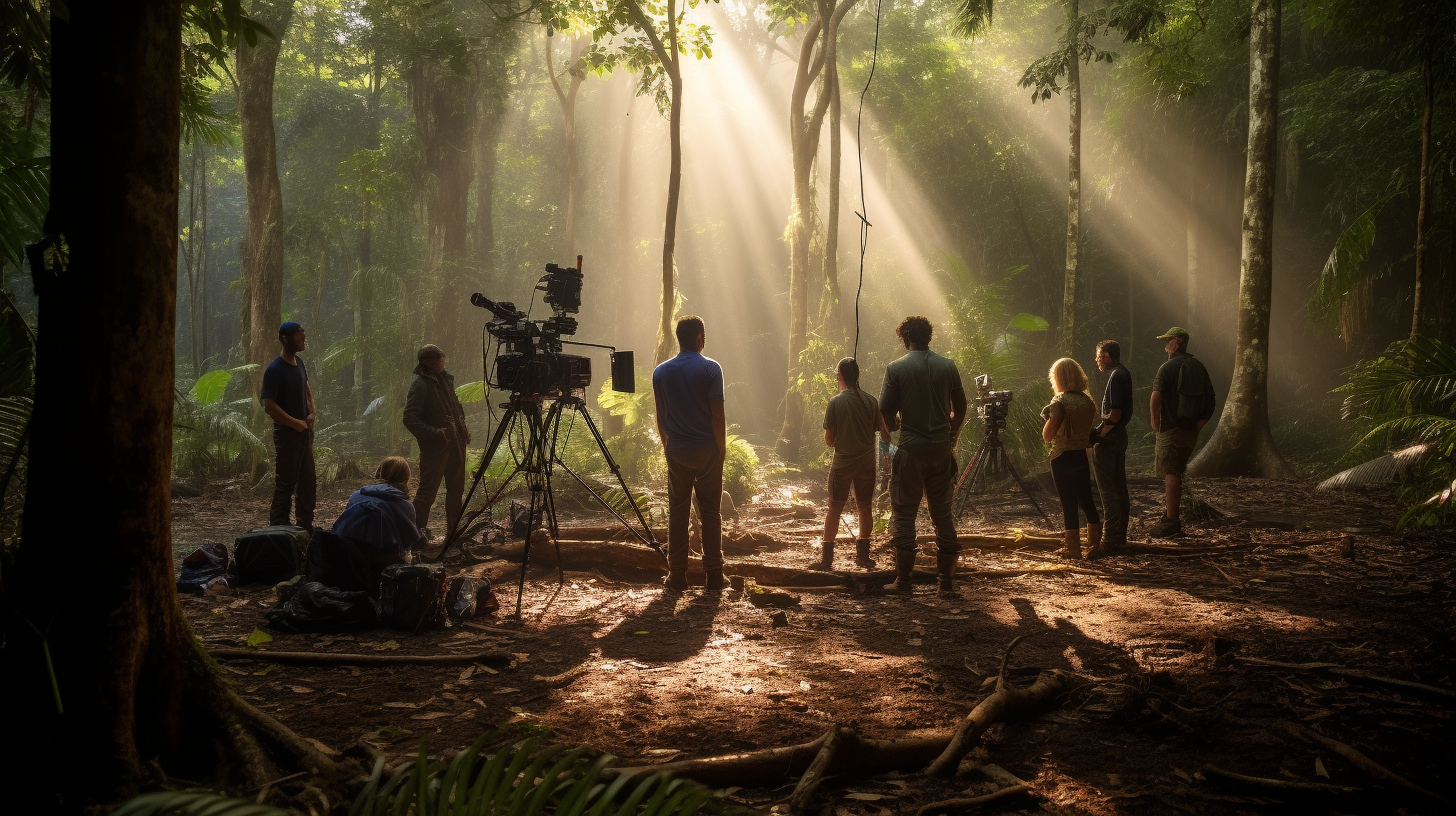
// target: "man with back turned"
[[923, 398], [688, 391]]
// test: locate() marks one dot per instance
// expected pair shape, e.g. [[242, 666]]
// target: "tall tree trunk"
[[129, 675], [191, 260], [1425, 194], [444, 103], [1242, 444], [567, 98], [621, 262], [204, 279], [492, 119], [837, 320], [1074, 181], [1190, 243], [263, 246], [665, 336]]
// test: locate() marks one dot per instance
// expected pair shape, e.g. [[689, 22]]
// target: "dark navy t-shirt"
[[287, 385], [1118, 394], [686, 388]]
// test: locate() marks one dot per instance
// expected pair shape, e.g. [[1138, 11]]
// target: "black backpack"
[[269, 555], [412, 597], [1194, 393]]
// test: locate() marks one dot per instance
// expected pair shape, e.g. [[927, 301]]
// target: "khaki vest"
[[1080, 414]]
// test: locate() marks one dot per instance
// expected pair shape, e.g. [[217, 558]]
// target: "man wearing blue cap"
[[288, 401]]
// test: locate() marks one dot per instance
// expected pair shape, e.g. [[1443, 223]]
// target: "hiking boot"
[[826, 558], [675, 583], [945, 564], [1167, 528], [862, 554], [1096, 548], [716, 582], [1072, 546], [904, 573]]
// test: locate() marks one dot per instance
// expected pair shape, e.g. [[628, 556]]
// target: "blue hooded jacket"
[[379, 517]]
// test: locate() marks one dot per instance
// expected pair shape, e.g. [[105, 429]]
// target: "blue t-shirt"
[[287, 385], [686, 387]]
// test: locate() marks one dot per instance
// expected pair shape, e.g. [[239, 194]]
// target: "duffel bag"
[[412, 597], [270, 554]]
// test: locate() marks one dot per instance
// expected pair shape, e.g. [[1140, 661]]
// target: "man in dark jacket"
[[433, 414]]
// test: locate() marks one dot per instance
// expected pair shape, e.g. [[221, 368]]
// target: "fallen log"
[[1356, 674], [346, 659], [1006, 701]]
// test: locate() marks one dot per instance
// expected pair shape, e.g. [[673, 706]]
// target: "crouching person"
[[376, 529], [850, 423]]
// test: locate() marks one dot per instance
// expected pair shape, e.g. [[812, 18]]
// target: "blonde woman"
[[1069, 420]]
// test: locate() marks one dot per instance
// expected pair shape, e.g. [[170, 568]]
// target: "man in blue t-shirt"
[[688, 391], [1109, 452], [288, 401]]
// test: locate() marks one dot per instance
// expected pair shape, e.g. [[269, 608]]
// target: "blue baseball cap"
[[289, 328]]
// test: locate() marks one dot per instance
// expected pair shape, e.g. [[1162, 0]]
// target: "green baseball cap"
[[1174, 332]]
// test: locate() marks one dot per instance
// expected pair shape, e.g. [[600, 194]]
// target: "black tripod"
[[542, 434], [988, 459]]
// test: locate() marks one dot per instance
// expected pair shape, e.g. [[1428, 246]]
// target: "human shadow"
[[670, 628]]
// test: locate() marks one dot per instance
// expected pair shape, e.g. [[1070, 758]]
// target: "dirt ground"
[[1156, 642]]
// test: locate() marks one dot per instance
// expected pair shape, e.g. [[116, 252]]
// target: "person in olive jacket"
[[434, 415]]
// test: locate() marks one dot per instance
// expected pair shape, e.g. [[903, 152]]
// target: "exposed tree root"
[[973, 801], [1361, 761], [1355, 674], [1280, 785], [346, 659], [809, 782], [1005, 701]]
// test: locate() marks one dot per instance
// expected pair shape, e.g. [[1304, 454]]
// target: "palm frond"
[[972, 17], [193, 803], [1344, 271], [1391, 467], [1412, 376]]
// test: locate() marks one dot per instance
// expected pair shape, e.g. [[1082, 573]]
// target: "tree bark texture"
[[665, 335], [1242, 444], [494, 91], [104, 380], [262, 254], [1074, 179], [834, 316], [1425, 194]]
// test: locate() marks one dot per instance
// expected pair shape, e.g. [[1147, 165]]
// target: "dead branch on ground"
[[1281, 785], [1360, 761], [1355, 674], [346, 659]]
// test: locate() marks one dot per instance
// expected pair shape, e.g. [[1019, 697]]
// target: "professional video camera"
[[991, 406], [531, 361]]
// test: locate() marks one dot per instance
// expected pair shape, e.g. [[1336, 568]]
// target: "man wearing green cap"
[[434, 415], [1181, 404]]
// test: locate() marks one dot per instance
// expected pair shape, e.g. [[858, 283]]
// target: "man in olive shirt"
[[1174, 440], [850, 423], [923, 398]]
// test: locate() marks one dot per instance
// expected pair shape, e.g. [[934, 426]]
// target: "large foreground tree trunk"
[[1242, 444], [132, 690], [263, 248]]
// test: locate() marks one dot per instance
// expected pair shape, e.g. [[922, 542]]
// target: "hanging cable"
[[863, 212]]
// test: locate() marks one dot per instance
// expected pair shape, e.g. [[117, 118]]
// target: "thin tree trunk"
[[567, 98], [1425, 194], [665, 336], [1074, 181], [204, 279], [838, 324], [263, 248], [1242, 444], [1190, 233], [492, 118], [622, 263], [190, 259]]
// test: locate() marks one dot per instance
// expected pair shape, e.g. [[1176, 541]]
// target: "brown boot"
[[862, 554], [1095, 547], [1073, 547], [945, 564], [904, 573], [826, 558]]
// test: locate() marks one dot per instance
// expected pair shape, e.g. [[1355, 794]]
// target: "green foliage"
[[1342, 293], [742, 472], [192, 803], [210, 433], [1406, 395], [523, 779], [636, 448]]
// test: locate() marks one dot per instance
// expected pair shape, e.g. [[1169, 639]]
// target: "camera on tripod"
[[991, 406], [531, 362]]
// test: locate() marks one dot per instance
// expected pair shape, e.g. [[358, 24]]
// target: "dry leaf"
[[1319, 768], [300, 689], [258, 638], [433, 715]]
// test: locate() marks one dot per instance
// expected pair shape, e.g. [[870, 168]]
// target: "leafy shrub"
[[210, 433]]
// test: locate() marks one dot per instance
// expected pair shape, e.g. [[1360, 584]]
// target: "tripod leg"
[[969, 477], [548, 461], [485, 459], [647, 537], [531, 466], [1012, 470]]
